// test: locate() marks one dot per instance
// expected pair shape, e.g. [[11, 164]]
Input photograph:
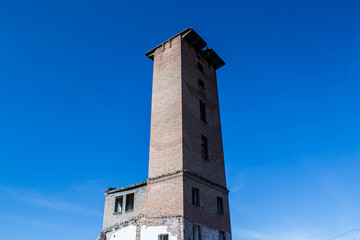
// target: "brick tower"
[[185, 196]]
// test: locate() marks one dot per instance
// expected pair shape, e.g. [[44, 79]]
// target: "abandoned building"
[[185, 196]]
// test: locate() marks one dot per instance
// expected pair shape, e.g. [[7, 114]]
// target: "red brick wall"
[[175, 139], [164, 197], [166, 111], [176, 127], [206, 214], [193, 126]]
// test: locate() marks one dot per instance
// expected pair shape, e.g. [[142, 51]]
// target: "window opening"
[[195, 197], [118, 204], [221, 235], [202, 111], [129, 202], [163, 237], [220, 205], [201, 84], [196, 232], [200, 67], [204, 148]]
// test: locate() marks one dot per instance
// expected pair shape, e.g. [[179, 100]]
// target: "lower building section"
[[170, 228], [176, 206]]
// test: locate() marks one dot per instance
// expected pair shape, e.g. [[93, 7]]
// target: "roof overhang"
[[198, 44]]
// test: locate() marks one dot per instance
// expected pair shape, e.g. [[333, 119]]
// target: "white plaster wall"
[[125, 233], [152, 233]]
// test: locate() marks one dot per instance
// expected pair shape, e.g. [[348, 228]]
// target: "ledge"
[[185, 171]]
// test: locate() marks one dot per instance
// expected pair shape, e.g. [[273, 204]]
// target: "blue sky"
[[75, 98]]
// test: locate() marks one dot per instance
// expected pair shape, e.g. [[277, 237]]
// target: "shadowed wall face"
[[201, 117]]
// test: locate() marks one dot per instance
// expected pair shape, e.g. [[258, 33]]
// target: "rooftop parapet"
[[198, 44]]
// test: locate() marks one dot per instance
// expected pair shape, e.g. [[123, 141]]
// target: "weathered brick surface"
[[175, 162], [193, 126], [206, 214], [206, 233], [112, 219], [166, 111], [165, 197]]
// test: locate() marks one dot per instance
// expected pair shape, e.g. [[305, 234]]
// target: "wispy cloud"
[[236, 188], [349, 235], [31, 222], [246, 234], [55, 203], [89, 185], [59, 205], [240, 233]]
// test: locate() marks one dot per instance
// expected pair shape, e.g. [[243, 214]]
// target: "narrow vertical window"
[[163, 237], [201, 84], [204, 148], [200, 67], [220, 205], [118, 204], [195, 197], [196, 232], [129, 202], [221, 235], [202, 111]]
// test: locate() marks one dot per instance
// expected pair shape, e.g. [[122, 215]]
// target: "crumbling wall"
[[171, 226], [124, 233], [112, 218], [177, 228], [146, 229]]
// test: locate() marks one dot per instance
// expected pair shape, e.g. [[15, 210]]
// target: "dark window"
[[221, 235], [201, 84], [220, 205], [202, 111], [196, 232], [163, 237], [129, 202], [200, 67], [118, 204], [204, 148], [195, 197]]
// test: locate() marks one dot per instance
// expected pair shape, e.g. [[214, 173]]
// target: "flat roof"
[[198, 44], [115, 190]]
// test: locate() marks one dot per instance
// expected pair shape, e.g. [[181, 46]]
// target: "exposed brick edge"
[[136, 219], [125, 223], [208, 181], [140, 184], [191, 174], [114, 190], [166, 175]]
